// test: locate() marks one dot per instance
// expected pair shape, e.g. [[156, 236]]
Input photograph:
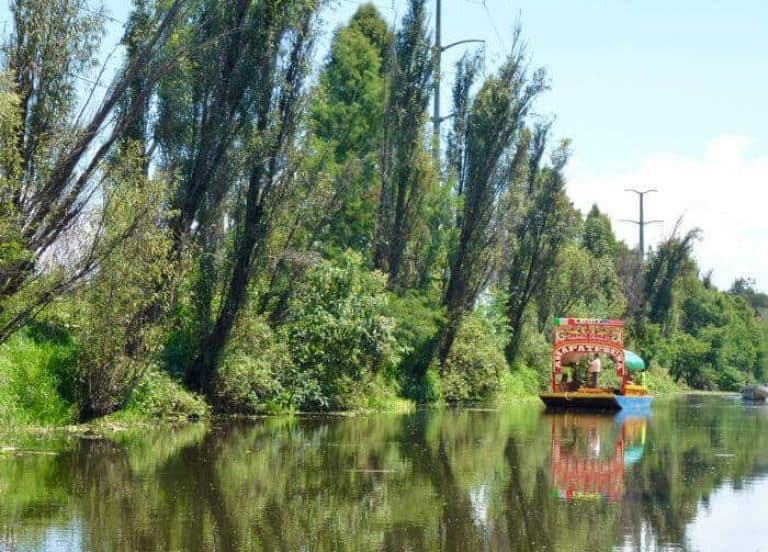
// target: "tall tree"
[[486, 135], [406, 174], [137, 32], [347, 116], [598, 236], [546, 228], [667, 264], [280, 40], [58, 166], [580, 285]]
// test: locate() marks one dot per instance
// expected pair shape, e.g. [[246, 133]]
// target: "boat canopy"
[[633, 362]]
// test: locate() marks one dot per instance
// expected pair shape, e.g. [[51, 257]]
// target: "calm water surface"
[[693, 476]]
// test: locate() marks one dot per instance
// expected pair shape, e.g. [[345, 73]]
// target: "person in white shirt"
[[594, 371]]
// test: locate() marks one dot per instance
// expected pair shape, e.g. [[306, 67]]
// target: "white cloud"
[[723, 192]]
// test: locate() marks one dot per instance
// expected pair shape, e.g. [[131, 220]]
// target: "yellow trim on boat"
[[569, 395]]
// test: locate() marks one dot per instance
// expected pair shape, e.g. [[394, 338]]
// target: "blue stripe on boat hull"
[[634, 403]]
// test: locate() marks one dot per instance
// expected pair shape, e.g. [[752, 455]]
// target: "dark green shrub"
[[160, 396], [419, 318], [472, 370], [254, 365], [535, 354], [338, 333]]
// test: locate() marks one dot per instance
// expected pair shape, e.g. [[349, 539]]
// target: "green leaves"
[[134, 275], [347, 112], [338, 332], [407, 174]]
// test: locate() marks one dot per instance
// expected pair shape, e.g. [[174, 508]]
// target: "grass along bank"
[[38, 388]]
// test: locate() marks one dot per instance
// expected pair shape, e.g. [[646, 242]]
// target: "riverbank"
[[39, 388], [161, 402]]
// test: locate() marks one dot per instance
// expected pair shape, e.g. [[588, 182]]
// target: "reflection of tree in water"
[[697, 447], [429, 460], [527, 517], [431, 480]]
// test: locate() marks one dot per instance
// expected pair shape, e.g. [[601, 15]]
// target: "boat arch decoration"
[[576, 337]]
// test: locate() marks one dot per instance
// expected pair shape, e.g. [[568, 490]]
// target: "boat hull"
[[595, 401], [755, 392]]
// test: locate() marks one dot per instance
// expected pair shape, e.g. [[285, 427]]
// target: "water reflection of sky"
[[57, 538], [733, 519]]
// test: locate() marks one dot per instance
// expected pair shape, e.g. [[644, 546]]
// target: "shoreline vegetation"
[[233, 229]]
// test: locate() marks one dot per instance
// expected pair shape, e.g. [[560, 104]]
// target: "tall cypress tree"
[[406, 175]]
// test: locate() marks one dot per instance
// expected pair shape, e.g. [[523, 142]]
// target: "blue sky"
[[668, 95], [653, 94]]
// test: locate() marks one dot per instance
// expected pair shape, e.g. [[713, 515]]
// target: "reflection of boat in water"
[[575, 338], [590, 453], [755, 392]]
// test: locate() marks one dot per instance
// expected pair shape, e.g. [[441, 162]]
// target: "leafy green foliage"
[[664, 269], [61, 144], [338, 333], [547, 226], [36, 374], [159, 396], [254, 374], [13, 253], [474, 366], [580, 285], [419, 317], [347, 117], [117, 341], [597, 236], [718, 343], [407, 174], [487, 132], [247, 252], [521, 384], [534, 355]]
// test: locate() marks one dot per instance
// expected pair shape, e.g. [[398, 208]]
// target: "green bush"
[[36, 374], [419, 318], [523, 383], [254, 365], [535, 354], [339, 334], [160, 396], [475, 363], [116, 310], [658, 381]]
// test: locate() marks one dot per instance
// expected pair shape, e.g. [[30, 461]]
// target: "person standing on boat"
[[594, 371]]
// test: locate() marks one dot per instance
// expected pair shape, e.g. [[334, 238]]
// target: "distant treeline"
[[223, 218]]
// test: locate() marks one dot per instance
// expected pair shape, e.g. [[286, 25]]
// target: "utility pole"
[[439, 49], [641, 223], [436, 93]]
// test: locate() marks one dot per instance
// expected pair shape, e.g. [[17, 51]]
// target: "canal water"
[[692, 476]]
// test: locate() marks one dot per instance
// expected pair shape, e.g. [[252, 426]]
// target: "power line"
[[493, 25]]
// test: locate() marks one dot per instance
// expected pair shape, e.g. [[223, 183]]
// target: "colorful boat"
[[575, 338]]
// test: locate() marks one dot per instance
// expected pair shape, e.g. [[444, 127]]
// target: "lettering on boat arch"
[[589, 336], [617, 354]]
